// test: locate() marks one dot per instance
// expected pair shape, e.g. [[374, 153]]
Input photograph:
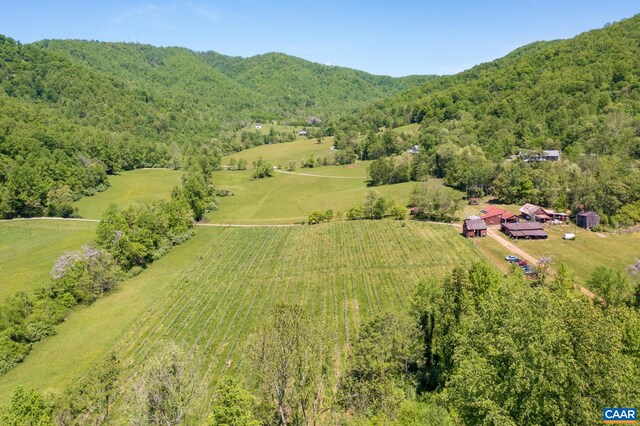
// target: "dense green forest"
[[72, 112], [580, 96]]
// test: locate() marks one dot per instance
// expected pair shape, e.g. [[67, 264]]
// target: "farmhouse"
[[495, 216], [534, 213], [531, 212], [527, 230], [474, 227], [587, 220]]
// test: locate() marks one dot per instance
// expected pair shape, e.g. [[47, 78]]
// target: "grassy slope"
[[287, 198], [91, 332], [129, 188], [28, 249], [281, 154], [212, 291]]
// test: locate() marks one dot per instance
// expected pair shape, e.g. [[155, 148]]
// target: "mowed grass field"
[[290, 197], [588, 251], [127, 188], [210, 293], [280, 154], [28, 249]]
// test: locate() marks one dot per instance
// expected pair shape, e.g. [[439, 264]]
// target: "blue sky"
[[394, 37]]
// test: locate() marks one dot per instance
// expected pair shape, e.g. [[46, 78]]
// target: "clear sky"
[[396, 38]]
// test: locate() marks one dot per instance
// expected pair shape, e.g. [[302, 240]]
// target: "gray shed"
[[587, 220]]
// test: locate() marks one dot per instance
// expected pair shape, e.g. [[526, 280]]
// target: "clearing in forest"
[[128, 188]]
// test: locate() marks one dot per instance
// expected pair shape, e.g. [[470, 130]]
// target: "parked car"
[[528, 270], [521, 263], [511, 258]]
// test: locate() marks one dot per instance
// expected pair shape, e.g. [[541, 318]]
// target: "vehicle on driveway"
[[521, 263], [511, 258]]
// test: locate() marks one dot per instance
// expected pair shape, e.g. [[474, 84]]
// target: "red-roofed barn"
[[495, 216]]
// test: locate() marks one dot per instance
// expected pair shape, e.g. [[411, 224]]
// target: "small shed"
[[587, 220], [474, 228]]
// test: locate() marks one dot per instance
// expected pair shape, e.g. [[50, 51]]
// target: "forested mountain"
[[580, 96], [273, 86], [73, 111], [301, 86]]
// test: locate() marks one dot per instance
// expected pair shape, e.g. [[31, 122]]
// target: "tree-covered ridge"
[[303, 87], [580, 95], [263, 87]]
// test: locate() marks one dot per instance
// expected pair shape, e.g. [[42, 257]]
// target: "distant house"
[[526, 230], [495, 216], [587, 220], [547, 155], [414, 149], [474, 228], [551, 155], [302, 133]]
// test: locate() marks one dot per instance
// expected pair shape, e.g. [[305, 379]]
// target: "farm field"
[[91, 332], [229, 280], [127, 188], [291, 197], [28, 249]]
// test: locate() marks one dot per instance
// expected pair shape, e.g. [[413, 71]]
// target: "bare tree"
[[166, 388], [290, 359]]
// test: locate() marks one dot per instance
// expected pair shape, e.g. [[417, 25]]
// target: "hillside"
[[579, 95], [273, 86]]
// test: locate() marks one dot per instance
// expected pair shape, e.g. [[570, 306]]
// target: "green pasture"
[[127, 188], [282, 153], [28, 249], [289, 198], [92, 332], [413, 128], [210, 293], [588, 251]]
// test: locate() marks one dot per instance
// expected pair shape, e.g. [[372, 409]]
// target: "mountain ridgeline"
[[272, 86]]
